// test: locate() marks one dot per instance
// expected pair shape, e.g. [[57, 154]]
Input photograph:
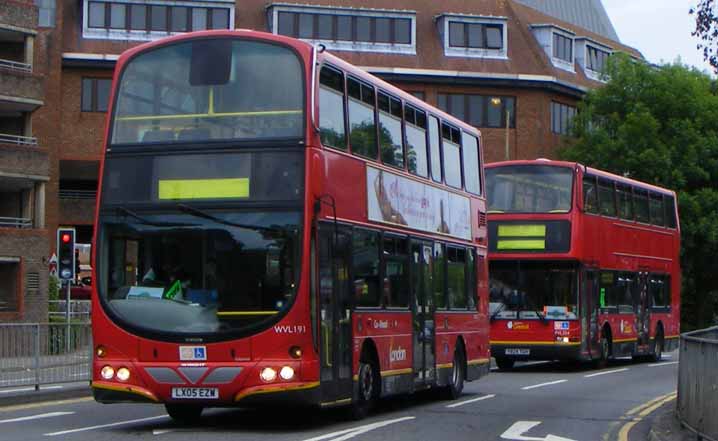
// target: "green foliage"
[[660, 125]]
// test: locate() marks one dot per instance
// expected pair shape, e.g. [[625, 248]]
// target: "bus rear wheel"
[[505, 364], [184, 413]]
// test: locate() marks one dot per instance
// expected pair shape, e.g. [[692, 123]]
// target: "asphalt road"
[[543, 401]]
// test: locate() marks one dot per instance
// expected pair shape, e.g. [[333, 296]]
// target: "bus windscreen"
[[215, 90], [529, 189]]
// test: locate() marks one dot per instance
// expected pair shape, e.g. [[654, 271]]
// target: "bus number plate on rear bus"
[[199, 393], [517, 351]]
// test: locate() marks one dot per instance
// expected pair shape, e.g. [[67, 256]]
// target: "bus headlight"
[[123, 374], [268, 374], [287, 373], [107, 372]]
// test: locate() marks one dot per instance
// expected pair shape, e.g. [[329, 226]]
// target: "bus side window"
[[625, 202], [606, 198], [396, 272], [435, 148], [362, 126], [331, 108], [390, 133], [365, 268], [452, 155], [670, 212], [659, 288], [471, 280], [657, 211], [640, 202], [472, 166], [439, 271], [590, 195], [456, 277], [416, 156]]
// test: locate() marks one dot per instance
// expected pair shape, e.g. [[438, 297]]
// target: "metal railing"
[[698, 383], [18, 139], [15, 222], [79, 309], [78, 194], [15, 65], [49, 353]]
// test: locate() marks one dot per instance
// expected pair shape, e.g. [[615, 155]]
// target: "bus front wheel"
[[368, 389], [458, 374], [184, 413]]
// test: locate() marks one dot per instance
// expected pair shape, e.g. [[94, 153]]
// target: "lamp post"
[[496, 102]]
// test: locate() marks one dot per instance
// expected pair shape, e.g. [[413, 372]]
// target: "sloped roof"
[[587, 14]]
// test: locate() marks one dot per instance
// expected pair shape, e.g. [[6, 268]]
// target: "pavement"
[[666, 426], [542, 401]]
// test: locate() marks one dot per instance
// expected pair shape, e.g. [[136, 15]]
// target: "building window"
[[480, 110], [9, 270], [46, 13], [562, 118], [95, 94], [562, 47], [473, 36], [596, 59], [121, 21], [347, 29]]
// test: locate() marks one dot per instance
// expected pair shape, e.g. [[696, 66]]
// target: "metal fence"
[[698, 383], [79, 309], [36, 354]]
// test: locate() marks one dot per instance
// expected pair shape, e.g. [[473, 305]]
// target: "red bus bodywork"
[[604, 249], [335, 197]]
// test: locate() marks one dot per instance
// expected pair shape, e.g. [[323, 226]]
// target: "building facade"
[[514, 68]]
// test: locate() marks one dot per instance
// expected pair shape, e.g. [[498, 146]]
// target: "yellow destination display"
[[203, 188], [523, 244], [522, 230]]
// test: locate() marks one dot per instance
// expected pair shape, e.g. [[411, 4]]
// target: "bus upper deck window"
[[211, 62]]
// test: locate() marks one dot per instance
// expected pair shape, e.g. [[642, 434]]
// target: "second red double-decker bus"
[[584, 264], [277, 226]]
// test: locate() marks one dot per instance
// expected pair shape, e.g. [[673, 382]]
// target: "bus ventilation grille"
[[482, 219]]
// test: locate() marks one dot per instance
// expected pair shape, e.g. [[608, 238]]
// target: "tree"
[[707, 30], [660, 125]]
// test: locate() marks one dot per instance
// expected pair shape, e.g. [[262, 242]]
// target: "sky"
[[660, 29]]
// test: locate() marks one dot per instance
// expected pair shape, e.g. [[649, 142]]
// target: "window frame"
[[485, 106], [345, 105], [444, 23], [557, 125], [382, 270], [94, 81], [18, 263]]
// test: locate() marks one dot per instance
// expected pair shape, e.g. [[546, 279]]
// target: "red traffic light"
[[65, 238]]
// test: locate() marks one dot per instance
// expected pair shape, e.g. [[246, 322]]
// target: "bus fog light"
[[268, 374], [107, 372], [101, 351], [287, 373], [295, 352], [123, 374]]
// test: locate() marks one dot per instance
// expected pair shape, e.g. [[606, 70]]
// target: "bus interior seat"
[[194, 135], [158, 136]]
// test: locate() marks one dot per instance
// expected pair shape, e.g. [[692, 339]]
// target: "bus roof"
[[588, 170]]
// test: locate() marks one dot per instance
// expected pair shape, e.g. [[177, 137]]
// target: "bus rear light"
[[268, 374], [123, 374], [295, 352], [107, 372], [101, 352], [287, 373]]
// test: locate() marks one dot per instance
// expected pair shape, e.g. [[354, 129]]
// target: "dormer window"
[[596, 59], [473, 36], [593, 57], [351, 29], [562, 47], [558, 43]]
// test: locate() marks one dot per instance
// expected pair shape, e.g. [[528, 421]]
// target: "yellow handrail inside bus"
[[244, 313], [209, 115]]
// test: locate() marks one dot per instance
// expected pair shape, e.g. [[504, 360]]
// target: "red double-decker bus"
[[277, 226], [584, 265]]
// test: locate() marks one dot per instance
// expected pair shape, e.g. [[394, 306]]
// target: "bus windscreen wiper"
[[144, 221], [203, 214]]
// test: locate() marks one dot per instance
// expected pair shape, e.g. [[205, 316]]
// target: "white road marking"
[[516, 431], [543, 384], [343, 435], [102, 426], [605, 373], [25, 389], [36, 417], [162, 431], [473, 400], [663, 363]]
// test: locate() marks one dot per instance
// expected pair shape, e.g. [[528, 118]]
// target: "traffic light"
[[66, 253]]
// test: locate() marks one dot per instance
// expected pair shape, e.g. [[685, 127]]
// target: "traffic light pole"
[[67, 317]]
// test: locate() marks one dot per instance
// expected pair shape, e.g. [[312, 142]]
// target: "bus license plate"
[[199, 393], [517, 351]]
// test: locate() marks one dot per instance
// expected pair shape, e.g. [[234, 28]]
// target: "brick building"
[[514, 68]]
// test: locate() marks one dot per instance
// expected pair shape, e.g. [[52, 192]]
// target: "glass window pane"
[[363, 28], [344, 28], [470, 150], [365, 268], [306, 26], [670, 211], [435, 148], [625, 202], [416, 150], [529, 189], [640, 203], [456, 278], [285, 24], [392, 152], [476, 35], [456, 34], [494, 114], [179, 19], [220, 18], [117, 16], [456, 106], [590, 195], [402, 31], [494, 37], [331, 109], [86, 105], [199, 19], [362, 129], [438, 273], [657, 210], [476, 110], [97, 15], [383, 30], [452, 163], [606, 199], [396, 272], [325, 27], [138, 17], [159, 18], [442, 102], [103, 94]]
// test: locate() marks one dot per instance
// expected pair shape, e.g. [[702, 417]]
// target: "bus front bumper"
[[540, 351]]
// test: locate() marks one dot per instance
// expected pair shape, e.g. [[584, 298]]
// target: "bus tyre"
[[458, 374], [505, 364], [368, 390], [605, 350], [657, 348], [184, 413]]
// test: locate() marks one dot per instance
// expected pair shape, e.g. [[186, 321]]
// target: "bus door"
[[423, 309], [590, 304], [643, 316], [335, 313]]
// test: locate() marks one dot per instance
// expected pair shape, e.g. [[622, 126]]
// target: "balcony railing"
[[15, 65], [15, 222], [78, 194], [17, 139]]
